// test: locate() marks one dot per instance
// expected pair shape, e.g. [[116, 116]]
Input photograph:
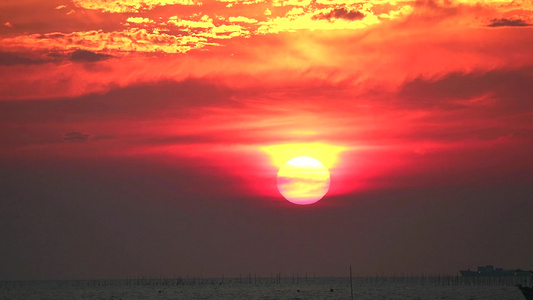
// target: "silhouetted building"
[[489, 270]]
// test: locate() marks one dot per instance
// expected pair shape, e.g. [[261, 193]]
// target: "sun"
[[303, 180]]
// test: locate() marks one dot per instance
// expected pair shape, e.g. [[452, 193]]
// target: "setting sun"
[[303, 180]]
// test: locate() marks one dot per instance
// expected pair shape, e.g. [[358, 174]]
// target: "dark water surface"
[[253, 288]]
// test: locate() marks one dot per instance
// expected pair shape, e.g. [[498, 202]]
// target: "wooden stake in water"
[[351, 284]]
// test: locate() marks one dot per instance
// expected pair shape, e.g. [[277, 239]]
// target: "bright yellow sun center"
[[303, 180]]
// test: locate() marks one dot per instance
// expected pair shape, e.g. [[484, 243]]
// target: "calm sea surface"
[[267, 289]]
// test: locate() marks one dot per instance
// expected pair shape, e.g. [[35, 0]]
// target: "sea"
[[368, 288]]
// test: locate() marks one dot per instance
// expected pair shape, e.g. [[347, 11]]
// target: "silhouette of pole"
[[351, 283]]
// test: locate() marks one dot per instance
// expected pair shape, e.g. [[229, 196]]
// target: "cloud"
[[400, 12], [204, 22], [76, 136], [205, 28], [11, 59], [508, 23], [241, 19], [139, 20], [303, 3], [88, 56], [497, 92], [139, 101], [37, 58], [123, 6], [340, 13], [225, 32], [311, 53], [130, 40], [231, 3], [174, 31]]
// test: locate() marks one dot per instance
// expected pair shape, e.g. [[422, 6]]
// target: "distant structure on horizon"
[[489, 270]]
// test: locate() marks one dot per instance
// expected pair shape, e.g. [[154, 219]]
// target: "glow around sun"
[[303, 180]]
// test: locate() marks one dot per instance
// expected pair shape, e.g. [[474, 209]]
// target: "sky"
[[144, 137]]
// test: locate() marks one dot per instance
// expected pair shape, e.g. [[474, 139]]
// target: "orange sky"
[[403, 95]]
